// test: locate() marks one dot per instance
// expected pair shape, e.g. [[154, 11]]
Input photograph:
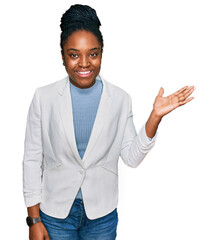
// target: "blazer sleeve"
[[33, 154], [135, 146]]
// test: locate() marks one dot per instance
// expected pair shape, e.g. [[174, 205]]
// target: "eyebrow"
[[94, 49], [74, 49]]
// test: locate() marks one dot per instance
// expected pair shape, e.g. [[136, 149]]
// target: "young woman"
[[77, 128]]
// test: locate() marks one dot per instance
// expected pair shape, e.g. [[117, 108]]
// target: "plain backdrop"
[[172, 194]]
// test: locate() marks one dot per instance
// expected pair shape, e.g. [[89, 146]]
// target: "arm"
[[152, 124], [32, 171], [135, 147], [33, 155], [33, 211]]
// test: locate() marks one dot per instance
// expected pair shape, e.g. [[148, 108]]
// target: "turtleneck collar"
[[86, 91]]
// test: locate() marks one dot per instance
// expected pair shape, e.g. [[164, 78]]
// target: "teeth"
[[84, 72]]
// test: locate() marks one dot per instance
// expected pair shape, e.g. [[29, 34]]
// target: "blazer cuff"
[[33, 200], [144, 139]]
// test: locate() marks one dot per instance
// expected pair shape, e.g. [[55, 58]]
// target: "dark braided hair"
[[80, 17]]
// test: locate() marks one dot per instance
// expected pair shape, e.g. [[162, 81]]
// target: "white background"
[[148, 44]]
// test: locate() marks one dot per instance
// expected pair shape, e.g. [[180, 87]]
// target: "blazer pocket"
[[112, 171], [48, 169], [51, 166]]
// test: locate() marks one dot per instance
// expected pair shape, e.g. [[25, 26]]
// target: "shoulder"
[[121, 99], [45, 95], [54, 86], [51, 88], [117, 90]]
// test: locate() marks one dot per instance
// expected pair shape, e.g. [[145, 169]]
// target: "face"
[[82, 58]]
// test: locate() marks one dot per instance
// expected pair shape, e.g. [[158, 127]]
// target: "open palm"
[[164, 105]]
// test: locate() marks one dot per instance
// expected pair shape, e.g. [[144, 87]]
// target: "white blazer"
[[53, 171]]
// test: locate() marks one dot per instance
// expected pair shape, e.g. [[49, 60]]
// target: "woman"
[[76, 130]]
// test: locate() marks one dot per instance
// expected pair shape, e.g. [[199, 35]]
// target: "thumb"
[[47, 237], [161, 92]]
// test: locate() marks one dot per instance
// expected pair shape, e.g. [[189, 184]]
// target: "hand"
[[38, 232], [164, 105]]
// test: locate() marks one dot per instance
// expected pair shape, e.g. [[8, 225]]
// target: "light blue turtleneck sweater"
[[85, 102]]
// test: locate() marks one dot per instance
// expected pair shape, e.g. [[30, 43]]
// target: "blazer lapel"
[[66, 112], [65, 108], [102, 115]]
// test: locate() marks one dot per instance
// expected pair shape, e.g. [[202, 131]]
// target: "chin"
[[84, 83]]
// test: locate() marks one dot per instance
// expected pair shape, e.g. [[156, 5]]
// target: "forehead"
[[82, 39]]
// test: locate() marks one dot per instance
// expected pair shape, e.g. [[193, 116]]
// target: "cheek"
[[71, 63], [97, 63]]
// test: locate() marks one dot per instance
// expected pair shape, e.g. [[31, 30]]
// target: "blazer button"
[[81, 171]]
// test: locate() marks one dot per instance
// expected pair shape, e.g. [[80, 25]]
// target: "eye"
[[74, 55], [93, 54]]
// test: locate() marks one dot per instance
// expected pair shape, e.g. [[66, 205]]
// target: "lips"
[[84, 73]]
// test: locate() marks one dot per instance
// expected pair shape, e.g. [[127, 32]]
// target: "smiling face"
[[82, 58]]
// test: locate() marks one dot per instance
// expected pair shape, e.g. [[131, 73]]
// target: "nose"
[[84, 62]]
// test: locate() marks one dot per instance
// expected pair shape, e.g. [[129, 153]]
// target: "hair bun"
[[79, 14]]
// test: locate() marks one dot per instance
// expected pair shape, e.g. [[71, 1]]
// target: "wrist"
[[152, 124], [34, 215], [32, 221], [33, 211], [155, 116]]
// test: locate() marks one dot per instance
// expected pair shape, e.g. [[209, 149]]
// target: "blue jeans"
[[76, 226]]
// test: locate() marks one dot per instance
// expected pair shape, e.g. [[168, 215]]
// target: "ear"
[[63, 58]]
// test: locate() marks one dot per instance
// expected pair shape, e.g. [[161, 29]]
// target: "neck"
[[82, 87]]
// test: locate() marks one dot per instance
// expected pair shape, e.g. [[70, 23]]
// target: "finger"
[[186, 101], [182, 96], [47, 237], [189, 92], [161, 92], [181, 90]]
